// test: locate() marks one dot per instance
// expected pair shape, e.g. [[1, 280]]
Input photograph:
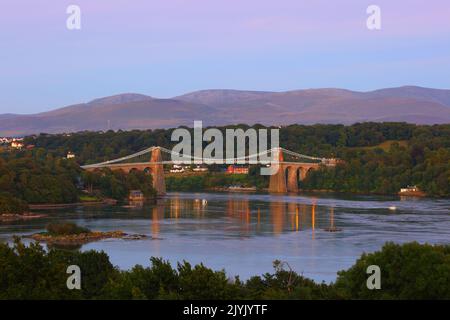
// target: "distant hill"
[[220, 107]]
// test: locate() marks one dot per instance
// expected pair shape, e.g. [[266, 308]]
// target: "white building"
[[177, 169], [4, 140], [16, 144], [200, 169]]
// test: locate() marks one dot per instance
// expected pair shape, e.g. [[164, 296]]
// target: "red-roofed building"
[[237, 170]]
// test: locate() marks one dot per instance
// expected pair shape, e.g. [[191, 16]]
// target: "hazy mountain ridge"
[[220, 107], [120, 99]]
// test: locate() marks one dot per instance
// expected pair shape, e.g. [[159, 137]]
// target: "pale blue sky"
[[169, 47]]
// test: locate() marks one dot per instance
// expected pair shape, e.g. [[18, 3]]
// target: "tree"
[[409, 271]]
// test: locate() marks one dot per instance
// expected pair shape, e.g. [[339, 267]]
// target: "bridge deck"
[[143, 164]]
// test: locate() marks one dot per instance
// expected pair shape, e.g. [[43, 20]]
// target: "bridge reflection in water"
[[242, 217]]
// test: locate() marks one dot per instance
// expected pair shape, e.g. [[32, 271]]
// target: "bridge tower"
[[278, 180], [158, 172]]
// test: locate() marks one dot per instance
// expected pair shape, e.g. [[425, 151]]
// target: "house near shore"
[[177, 169], [5, 140], [70, 155], [200, 169], [136, 195], [237, 169], [17, 145]]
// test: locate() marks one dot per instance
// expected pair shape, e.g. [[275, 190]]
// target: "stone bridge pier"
[[288, 175], [154, 167], [157, 169]]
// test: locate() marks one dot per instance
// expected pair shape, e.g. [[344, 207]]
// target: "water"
[[245, 233]]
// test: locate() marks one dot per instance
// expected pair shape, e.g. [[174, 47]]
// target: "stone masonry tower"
[[158, 172], [278, 180]]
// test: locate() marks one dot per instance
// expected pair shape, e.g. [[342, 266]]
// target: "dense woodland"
[[378, 158], [212, 180], [409, 271], [39, 176]]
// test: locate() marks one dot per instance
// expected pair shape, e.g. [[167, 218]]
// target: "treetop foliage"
[[409, 271]]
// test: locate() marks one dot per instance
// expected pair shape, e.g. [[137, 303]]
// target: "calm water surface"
[[244, 233]]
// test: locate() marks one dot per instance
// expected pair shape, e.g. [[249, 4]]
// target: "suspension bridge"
[[291, 166]]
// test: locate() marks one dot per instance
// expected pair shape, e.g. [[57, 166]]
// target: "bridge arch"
[[289, 175], [292, 178], [304, 170]]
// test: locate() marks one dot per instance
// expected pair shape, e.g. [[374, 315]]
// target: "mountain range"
[[221, 107]]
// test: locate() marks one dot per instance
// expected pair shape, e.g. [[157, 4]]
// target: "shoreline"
[[44, 206], [322, 191], [11, 217], [225, 189]]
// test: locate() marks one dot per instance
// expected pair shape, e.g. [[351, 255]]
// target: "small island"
[[68, 233]]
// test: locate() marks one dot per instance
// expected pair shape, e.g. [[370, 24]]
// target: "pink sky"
[[165, 48]]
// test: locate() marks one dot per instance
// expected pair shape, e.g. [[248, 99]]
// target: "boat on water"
[[411, 191]]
